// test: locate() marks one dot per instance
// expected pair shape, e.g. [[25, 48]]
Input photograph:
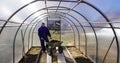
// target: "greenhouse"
[[82, 31]]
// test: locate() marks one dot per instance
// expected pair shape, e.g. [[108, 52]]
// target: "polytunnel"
[[87, 28]]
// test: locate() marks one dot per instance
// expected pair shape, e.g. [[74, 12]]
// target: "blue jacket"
[[43, 32]]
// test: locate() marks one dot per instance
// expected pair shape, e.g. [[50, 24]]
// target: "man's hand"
[[50, 37], [41, 38]]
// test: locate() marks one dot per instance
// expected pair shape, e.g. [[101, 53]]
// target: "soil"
[[79, 56], [31, 56]]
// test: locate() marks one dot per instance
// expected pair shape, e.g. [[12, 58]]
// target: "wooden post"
[[23, 52]]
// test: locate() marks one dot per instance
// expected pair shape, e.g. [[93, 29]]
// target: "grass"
[[67, 38], [55, 36]]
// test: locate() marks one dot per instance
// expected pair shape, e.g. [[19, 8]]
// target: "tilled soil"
[[31, 56], [79, 56]]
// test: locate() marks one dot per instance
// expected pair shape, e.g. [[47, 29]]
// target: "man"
[[43, 33]]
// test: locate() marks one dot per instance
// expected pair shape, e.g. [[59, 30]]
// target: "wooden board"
[[61, 58]]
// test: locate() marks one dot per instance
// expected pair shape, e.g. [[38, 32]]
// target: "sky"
[[106, 5], [111, 8]]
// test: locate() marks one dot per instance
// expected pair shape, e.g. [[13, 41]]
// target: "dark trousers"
[[42, 39]]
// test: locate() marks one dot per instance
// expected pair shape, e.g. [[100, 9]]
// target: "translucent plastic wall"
[[91, 26], [68, 33]]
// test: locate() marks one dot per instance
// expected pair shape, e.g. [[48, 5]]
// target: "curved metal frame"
[[27, 28], [33, 24], [14, 14], [16, 35], [70, 21], [93, 32], [39, 10], [29, 24], [84, 30], [38, 23], [31, 15], [80, 25], [117, 43], [25, 20], [31, 29], [97, 43]]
